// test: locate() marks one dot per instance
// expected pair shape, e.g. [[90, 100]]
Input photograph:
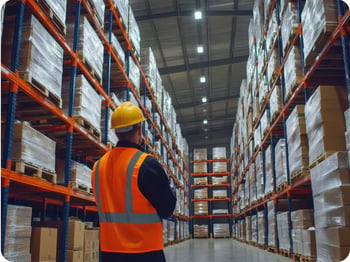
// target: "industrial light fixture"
[[205, 121], [204, 99], [200, 49], [202, 79], [197, 15]]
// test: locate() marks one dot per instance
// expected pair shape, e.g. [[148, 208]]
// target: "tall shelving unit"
[[244, 156], [80, 144]]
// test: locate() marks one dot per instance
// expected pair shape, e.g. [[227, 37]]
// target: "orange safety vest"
[[128, 221]]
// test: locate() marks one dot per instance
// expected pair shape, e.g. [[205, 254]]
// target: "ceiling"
[[169, 28]]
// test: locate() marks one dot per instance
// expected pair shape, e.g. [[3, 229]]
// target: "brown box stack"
[[43, 244], [200, 167], [221, 230], [201, 208], [76, 233], [91, 245], [200, 181], [200, 230], [200, 154], [219, 153], [219, 167], [219, 180], [201, 193]]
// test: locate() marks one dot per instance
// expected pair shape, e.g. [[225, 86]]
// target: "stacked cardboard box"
[[201, 193], [219, 153], [135, 76], [254, 224], [293, 72], [219, 180], [281, 162], [323, 111], [200, 230], [268, 171], [75, 246], [200, 167], [290, 23], [98, 7], [330, 181], [275, 102], [200, 181], [259, 175], [261, 228], [221, 230], [122, 7], [252, 183], [18, 233], [271, 238], [200, 154], [201, 208], [91, 244], [43, 244], [283, 230], [220, 193], [297, 141], [219, 167], [134, 32]]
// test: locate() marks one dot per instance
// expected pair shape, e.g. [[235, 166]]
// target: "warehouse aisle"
[[218, 250]]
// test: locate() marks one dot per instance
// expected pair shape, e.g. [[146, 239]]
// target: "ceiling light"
[[204, 110], [202, 79], [204, 99], [206, 137], [205, 121], [200, 49], [198, 15]]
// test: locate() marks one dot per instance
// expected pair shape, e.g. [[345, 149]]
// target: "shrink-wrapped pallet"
[[297, 238], [309, 242], [165, 231], [200, 154], [80, 176], [271, 238], [258, 19], [251, 35], [263, 92], [330, 183], [200, 208], [59, 8], [90, 47], [201, 193], [219, 193], [200, 230], [246, 191], [86, 104], [33, 148], [134, 75], [221, 211], [219, 180], [98, 7], [297, 141], [283, 230], [18, 233], [122, 7], [41, 57], [111, 135], [250, 68], [252, 182], [248, 228], [171, 231], [302, 218], [293, 72], [275, 103], [319, 18], [323, 111], [200, 167], [134, 32], [281, 162], [265, 122], [268, 171], [290, 23], [200, 181], [117, 48], [261, 65], [257, 137], [254, 225], [261, 228], [219, 167], [219, 153], [259, 175], [273, 66], [271, 32], [221, 230], [149, 66]]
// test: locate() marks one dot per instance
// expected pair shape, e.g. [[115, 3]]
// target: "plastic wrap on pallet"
[[165, 231], [220, 211], [220, 193], [99, 8], [200, 154], [297, 140], [273, 66], [81, 174], [290, 23], [265, 122], [87, 102], [219, 167], [149, 66], [123, 9], [257, 136], [263, 91], [200, 167], [135, 75], [248, 228], [271, 224], [302, 218], [200, 180], [268, 170], [201, 193], [90, 47], [324, 111], [252, 181], [200, 208], [315, 17], [275, 102], [250, 69], [309, 242], [258, 19], [117, 48], [200, 230], [271, 31], [112, 137], [293, 73], [59, 8], [254, 225], [259, 175], [219, 180], [33, 147], [261, 228], [261, 64], [281, 162], [219, 153], [251, 35], [297, 239], [115, 99], [171, 231], [283, 230], [221, 230], [134, 32]]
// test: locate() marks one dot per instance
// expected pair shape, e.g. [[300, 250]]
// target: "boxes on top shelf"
[[134, 33], [90, 48], [41, 57], [122, 7], [289, 26], [323, 111], [86, 105], [219, 153]]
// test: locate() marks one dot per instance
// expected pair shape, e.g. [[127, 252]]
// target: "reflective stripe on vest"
[[128, 217]]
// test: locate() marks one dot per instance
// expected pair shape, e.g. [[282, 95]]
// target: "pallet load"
[[201, 208], [171, 232], [269, 187], [41, 57], [259, 175], [271, 221], [75, 245], [149, 67], [200, 230], [201, 193], [298, 155], [293, 72], [98, 8], [219, 153], [289, 26], [122, 7], [112, 138], [43, 244], [18, 233], [323, 111], [90, 48], [134, 76], [221, 230], [134, 32], [86, 105], [254, 225], [275, 103], [261, 228], [91, 244], [56, 10], [330, 182], [283, 231], [33, 153], [281, 165]]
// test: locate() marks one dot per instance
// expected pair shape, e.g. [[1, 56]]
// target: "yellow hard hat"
[[125, 117]]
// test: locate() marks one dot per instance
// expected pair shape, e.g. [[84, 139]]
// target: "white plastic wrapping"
[[248, 228], [201, 193], [293, 72], [33, 147], [112, 137], [275, 102], [323, 112], [246, 191], [283, 230], [290, 23], [257, 137], [265, 122], [219, 193], [258, 18], [309, 242], [315, 16], [261, 228], [122, 7], [254, 224], [297, 140], [118, 49], [297, 238], [171, 231], [219, 180], [268, 171], [271, 32], [99, 9], [281, 162], [273, 66], [263, 91], [90, 47], [81, 174], [221, 230], [149, 66], [219, 153], [59, 7], [219, 167], [200, 230], [134, 74], [252, 181], [261, 64], [200, 208], [200, 154], [134, 32], [87, 102], [271, 238], [259, 175], [251, 35], [249, 70]]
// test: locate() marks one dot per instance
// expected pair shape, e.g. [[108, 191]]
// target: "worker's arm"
[[154, 185]]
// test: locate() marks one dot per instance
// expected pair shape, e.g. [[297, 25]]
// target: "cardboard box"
[[76, 231], [200, 154], [75, 256], [91, 240], [43, 244], [336, 236], [200, 167], [91, 256]]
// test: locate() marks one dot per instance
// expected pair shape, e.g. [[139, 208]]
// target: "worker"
[[132, 193]]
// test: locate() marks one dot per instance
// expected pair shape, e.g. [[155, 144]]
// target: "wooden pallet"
[[281, 187], [272, 249], [307, 259], [90, 69], [86, 124], [285, 252], [60, 25], [268, 195], [297, 176], [319, 159], [23, 167], [295, 84], [28, 77], [290, 40], [91, 4], [275, 115], [77, 186]]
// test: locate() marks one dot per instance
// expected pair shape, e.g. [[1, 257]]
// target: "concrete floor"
[[218, 250]]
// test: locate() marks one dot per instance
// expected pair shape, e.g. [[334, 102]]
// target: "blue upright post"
[[128, 57]]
